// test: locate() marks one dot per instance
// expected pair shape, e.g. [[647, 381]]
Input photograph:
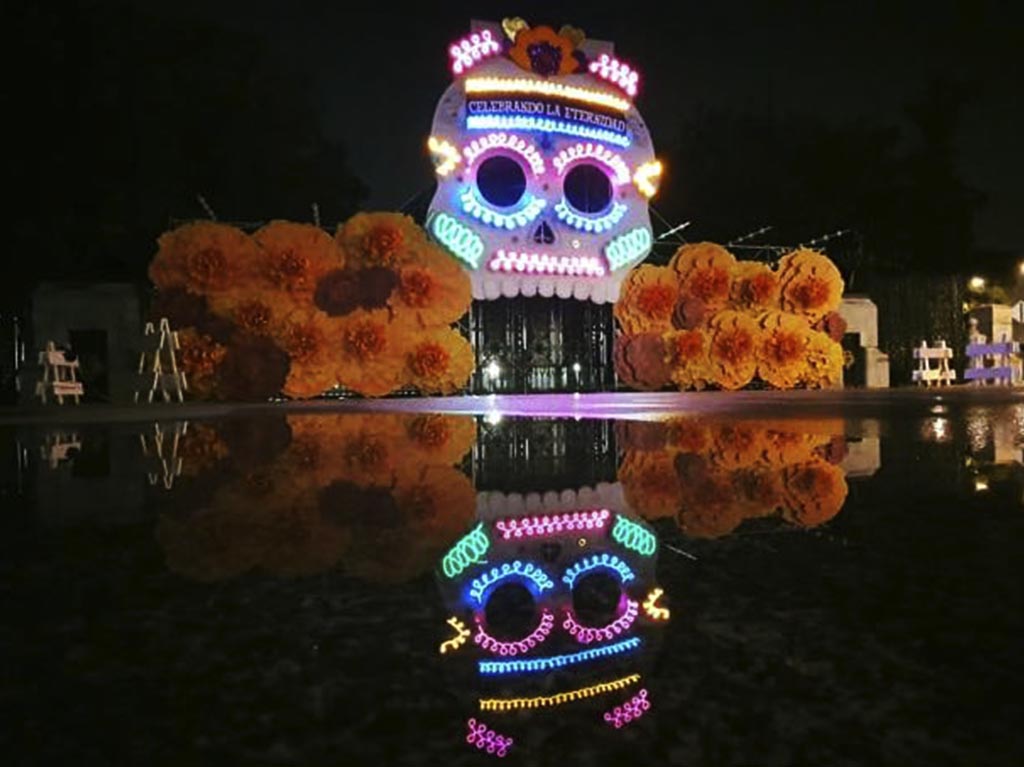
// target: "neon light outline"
[[504, 85], [535, 637], [634, 708], [552, 524], [617, 72], [517, 220], [509, 141], [588, 634], [486, 739], [652, 609], [541, 263], [444, 154], [603, 560], [467, 551], [545, 125], [628, 247], [585, 224], [458, 239], [633, 535], [531, 665], [461, 635], [647, 178], [471, 50], [532, 573], [511, 704], [589, 151]]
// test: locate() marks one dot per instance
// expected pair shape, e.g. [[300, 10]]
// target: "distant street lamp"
[[1020, 268], [976, 283], [493, 369]]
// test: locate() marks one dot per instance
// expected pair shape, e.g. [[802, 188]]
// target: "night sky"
[[378, 73]]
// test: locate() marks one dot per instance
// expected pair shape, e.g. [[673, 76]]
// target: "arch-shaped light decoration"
[[471, 50], [533, 576], [498, 647], [466, 245], [444, 155], [588, 634], [628, 247], [541, 263], [585, 223], [619, 73], [604, 561], [509, 141], [590, 151], [520, 218], [526, 87], [648, 177]]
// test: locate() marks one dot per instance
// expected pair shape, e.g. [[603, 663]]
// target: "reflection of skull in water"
[[554, 600], [544, 166]]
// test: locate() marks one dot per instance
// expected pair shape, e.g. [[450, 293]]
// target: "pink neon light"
[[587, 634], [486, 739], [542, 263], [634, 708], [471, 50], [552, 524], [616, 72], [496, 646]]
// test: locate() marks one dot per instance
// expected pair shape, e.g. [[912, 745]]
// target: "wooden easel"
[[59, 377], [943, 374], [158, 366], [163, 457]]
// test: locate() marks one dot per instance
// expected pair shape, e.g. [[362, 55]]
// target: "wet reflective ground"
[[739, 586]]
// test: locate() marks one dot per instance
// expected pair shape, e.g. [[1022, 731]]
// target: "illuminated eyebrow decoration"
[[507, 141], [461, 241], [529, 212], [528, 572], [588, 634], [541, 263], [634, 536], [552, 524], [585, 224], [512, 704], [498, 647], [467, 551], [545, 125], [603, 561], [445, 156], [530, 665], [608, 158], [617, 72], [628, 247], [471, 50], [647, 178], [524, 86]]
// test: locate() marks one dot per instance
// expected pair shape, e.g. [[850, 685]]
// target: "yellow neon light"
[[509, 704], [545, 88], [647, 178], [657, 613], [461, 634], [446, 156]]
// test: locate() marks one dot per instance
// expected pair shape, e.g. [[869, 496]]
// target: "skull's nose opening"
[[596, 599], [511, 612], [543, 234]]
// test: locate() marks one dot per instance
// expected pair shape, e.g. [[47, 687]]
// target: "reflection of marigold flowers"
[[650, 483], [438, 361], [370, 360], [824, 368], [201, 448], [781, 349], [432, 290], [811, 284], [647, 300], [687, 352], [198, 356], [705, 272], [733, 352], [544, 51], [736, 445], [294, 256], [440, 439], [813, 493], [380, 239], [755, 286], [710, 506], [204, 257], [688, 435]]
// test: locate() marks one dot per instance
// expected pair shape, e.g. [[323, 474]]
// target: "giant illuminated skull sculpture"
[[544, 165]]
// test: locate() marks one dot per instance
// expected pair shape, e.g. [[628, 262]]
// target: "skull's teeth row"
[[600, 290]]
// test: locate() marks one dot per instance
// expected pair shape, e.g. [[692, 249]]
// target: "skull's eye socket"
[[501, 181], [596, 598], [511, 611], [587, 188]]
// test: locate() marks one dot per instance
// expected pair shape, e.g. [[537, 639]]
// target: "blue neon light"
[[520, 218], [536, 579], [586, 224], [529, 665], [545, 125], [598, 561]]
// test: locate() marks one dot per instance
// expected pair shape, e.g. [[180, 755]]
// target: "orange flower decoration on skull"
[[782, 348], [705, 272], [204, 258], [380, 239], [648, 298], [370, 361], [432, 290], [294, 256], [811, 284], [543, 51], [439, 361], [734, 339]]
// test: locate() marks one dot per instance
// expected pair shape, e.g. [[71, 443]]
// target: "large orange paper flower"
[[309, 337], [811, 284], [370, 360], [380, 239], [754, 287], [198, 356], [687, 352], [705, 273], [204, 257], [438, 361], [543, 51], [734, 340], [824, 366], [432, 290], [647, 300], [781, 349], [292, 257]]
